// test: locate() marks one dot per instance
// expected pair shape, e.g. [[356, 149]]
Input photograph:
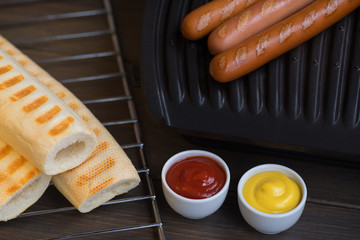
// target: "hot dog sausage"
[[250, 21], [201, 21], [278, 39]]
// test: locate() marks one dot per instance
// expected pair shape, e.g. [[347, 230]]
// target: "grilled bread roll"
[[21, 184], [37, 124], [107, 172]]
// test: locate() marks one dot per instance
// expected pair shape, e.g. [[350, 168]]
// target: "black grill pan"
[[307, 99]]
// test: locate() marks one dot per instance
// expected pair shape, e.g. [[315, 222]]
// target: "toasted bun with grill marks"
[[37, 124], [21, 184], [107, 172]]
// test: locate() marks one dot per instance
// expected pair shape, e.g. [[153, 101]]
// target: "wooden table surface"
[[333, 206]]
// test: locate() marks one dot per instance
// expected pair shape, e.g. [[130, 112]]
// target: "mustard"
[[272, 192]]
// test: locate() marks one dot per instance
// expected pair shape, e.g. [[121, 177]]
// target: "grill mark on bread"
[[48, 115], [11, 81], [5, 69], [101, 186], [15, 165], [4, 151], [23, 62], [95, 171], [97, 131], [85, 118], [35, 74], [22, 93], [47, 84], [62, 126], [61, 94], [3, 176], [11, 190], [29, 175], [74, 105], [35, 104], [98, 149], [10, 52]]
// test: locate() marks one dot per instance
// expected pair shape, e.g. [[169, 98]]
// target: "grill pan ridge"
[[307, 99]]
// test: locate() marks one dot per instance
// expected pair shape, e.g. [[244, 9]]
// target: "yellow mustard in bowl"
[[272, 192]]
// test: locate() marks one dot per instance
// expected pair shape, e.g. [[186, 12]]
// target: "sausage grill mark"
[[241, 55], [228, 10], [285, 33], [267, 7], [243, 20], [222, 31], [203, 21], [331, 7], [308, 20], [262, 44], [222, 63]]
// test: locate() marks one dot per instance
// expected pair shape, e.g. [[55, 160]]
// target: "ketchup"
[[196, 177]]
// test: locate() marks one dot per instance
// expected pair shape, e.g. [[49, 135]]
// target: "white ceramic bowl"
[[265, 222], [194, 208]]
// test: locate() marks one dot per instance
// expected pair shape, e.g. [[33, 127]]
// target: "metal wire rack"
[[77, 43]]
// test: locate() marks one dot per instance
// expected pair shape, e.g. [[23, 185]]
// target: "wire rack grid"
[[77, 43]]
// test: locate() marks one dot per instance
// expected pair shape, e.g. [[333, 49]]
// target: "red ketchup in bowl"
[[196, 177]]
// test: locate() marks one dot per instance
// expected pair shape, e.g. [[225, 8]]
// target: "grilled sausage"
[[201, 21], [278, 39], [250, 21]]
